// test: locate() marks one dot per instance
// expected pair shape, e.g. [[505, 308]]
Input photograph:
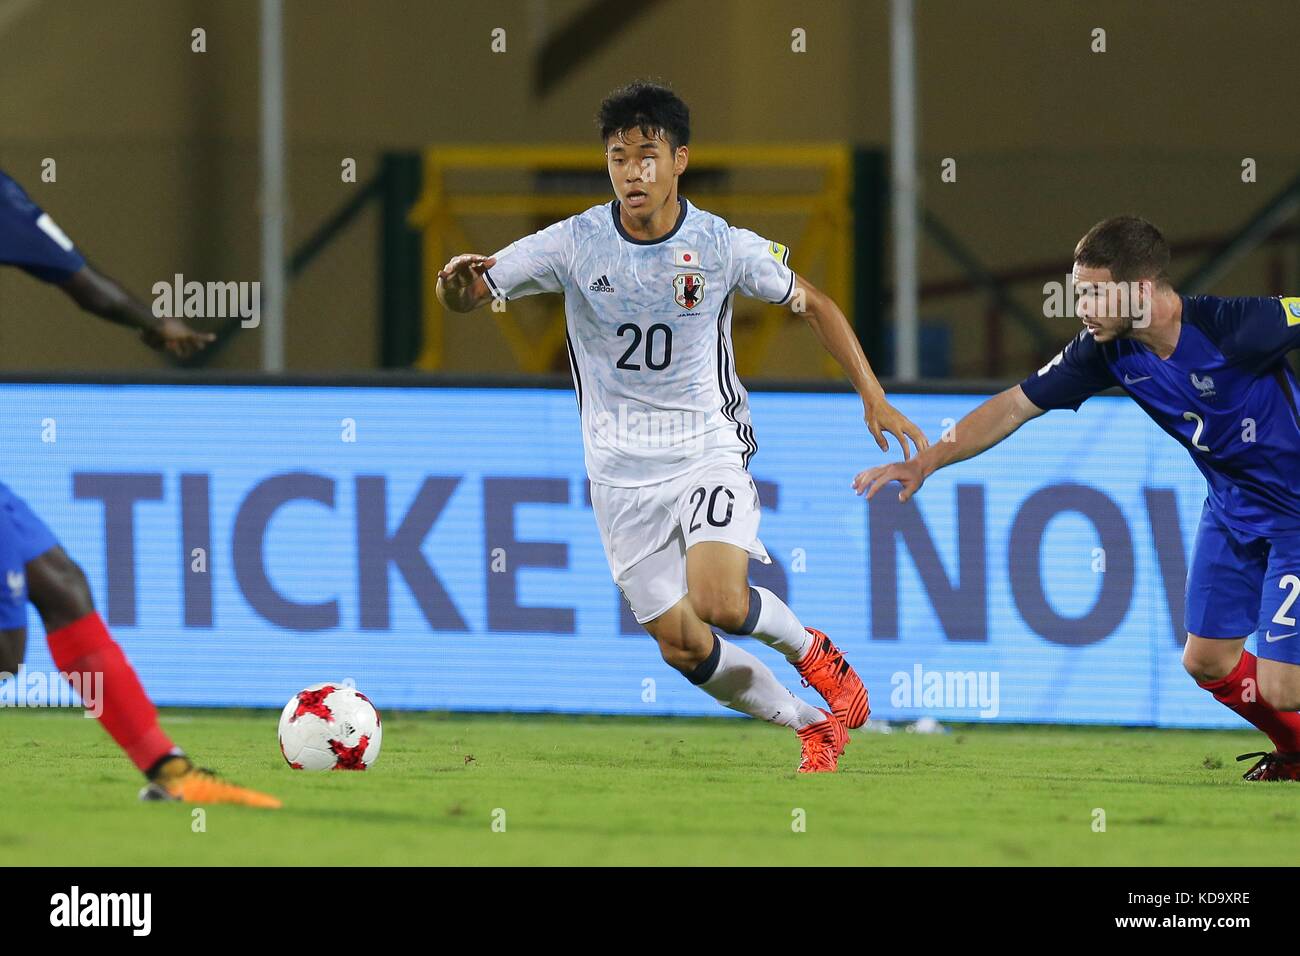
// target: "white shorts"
[[647, 530]]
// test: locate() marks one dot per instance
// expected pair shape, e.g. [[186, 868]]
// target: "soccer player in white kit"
[[647, 282]]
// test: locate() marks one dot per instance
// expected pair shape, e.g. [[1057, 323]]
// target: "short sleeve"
[[1078, 372], [1254, 332], [533, 264], [760, 268], [31, 240]]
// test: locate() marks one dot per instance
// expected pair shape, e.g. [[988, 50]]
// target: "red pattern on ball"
[[313, 702], [350, 758]]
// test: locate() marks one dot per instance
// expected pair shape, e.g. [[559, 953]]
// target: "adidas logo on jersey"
[[600, 285]]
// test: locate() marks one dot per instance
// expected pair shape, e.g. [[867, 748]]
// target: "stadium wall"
[[156, 144], [436, 546]]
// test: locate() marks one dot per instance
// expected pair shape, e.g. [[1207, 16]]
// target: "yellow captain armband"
[[1291, 309]]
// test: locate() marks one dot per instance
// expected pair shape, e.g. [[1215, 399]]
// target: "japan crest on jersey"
[[689, 289]]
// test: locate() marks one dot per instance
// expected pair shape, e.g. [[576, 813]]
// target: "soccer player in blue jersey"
[[33, 566], [33, 242], [1212, 373]]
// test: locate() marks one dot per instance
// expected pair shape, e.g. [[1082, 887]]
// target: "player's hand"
[[883, 418], [910, 474], [176, 337], [459, 273]]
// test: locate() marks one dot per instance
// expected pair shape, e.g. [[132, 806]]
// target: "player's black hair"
[[1129, 246], [646, 106]]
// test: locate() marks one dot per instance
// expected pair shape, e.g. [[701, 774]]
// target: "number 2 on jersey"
[[1281, 617], [1200, 427]]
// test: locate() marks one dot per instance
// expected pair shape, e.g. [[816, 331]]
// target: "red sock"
[[86, 647], [1239, 691]]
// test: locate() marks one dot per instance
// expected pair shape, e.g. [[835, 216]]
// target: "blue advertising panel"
[[436, 546]]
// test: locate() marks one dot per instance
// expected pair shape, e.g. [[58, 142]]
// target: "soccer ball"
[[330, 727]]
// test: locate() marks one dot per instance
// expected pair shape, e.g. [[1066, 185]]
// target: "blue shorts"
[[30, 240], [23, 536], [1241, 584]]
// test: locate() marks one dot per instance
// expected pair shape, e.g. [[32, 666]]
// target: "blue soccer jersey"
[[1228, 396], [23, 537], [31, 240]]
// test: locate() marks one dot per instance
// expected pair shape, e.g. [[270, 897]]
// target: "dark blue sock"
[[704, 670], [755, 608]]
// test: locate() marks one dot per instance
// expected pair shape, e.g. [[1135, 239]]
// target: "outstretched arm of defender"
[[976, 433], [836, 336], [461, 286], [105, 297]]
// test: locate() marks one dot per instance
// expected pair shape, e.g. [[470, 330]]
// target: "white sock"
[[742, 682], [776, 626]]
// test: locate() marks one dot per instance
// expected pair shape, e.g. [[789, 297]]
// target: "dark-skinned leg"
[[80, 644], [58, 589], [13, 645]]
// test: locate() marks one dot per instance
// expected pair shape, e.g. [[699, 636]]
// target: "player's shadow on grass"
[[365, 816]]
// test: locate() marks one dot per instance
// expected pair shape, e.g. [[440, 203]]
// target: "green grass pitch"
[[605, 790]]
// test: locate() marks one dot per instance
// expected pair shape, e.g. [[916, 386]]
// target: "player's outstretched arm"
[[103, 296], [836, 336], [979, 431], [461, 286]]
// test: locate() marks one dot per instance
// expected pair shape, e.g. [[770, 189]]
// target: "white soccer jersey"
[[649, 334]]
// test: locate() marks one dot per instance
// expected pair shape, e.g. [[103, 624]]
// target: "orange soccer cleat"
[[825, 670], [179, 779], [823, 742]]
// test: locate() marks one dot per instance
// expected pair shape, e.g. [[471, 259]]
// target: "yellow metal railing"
[[826, 236]]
